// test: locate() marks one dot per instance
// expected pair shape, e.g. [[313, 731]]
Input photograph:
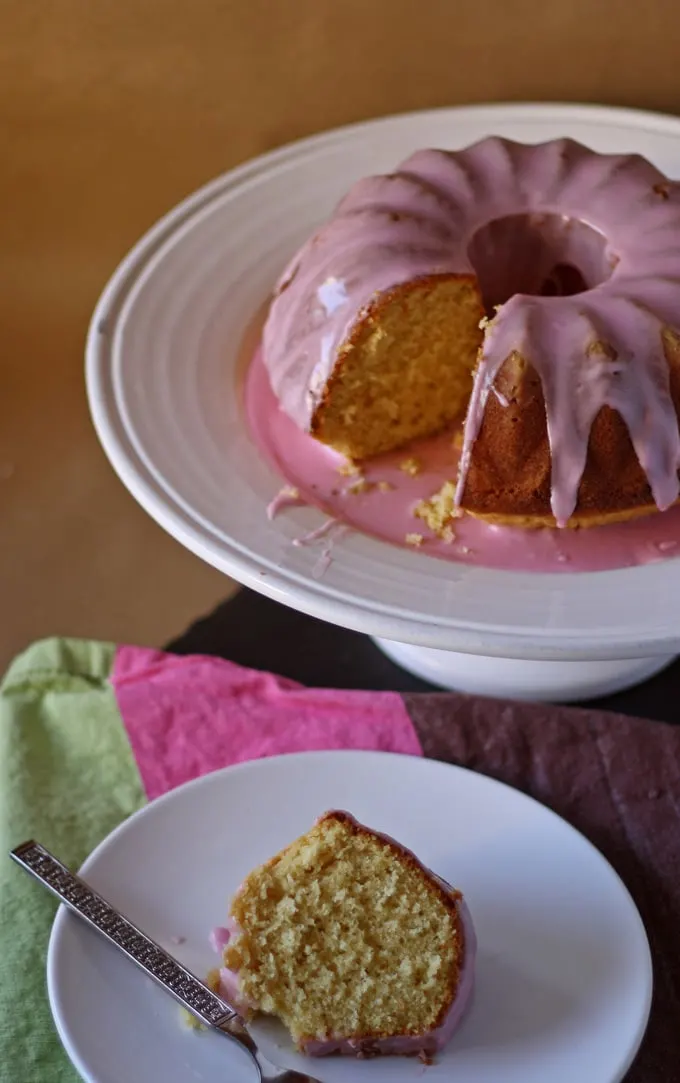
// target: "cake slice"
[[352, 943]]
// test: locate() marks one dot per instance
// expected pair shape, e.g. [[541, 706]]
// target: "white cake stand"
[[162, 361]]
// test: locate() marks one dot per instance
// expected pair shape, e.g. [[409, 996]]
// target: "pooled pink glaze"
[[329, 533], [427, 1043], [287, 497], [615, 217], [331, 526], [313, 469]]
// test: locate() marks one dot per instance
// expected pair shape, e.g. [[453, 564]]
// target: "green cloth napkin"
[[67, 778]]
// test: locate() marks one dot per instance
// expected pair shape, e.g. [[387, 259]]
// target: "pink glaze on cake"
[[313, 470], [398, 1045], [615, 217]]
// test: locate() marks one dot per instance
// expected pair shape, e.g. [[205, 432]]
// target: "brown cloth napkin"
[[616, 779]]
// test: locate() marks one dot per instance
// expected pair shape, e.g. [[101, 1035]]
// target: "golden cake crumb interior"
[[342, 934], [406, 368]]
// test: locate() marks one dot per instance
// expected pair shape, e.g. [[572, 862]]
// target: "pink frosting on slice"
[[430, 1041], [219, 938]]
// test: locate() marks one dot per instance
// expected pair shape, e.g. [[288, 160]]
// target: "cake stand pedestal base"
[[517, 678]]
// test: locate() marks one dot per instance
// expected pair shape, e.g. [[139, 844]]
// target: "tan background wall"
[[112, 110]]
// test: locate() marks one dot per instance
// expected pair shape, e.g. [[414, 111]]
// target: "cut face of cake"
[[352, 943]]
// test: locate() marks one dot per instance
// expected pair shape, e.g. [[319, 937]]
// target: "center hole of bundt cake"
[[543, 255]]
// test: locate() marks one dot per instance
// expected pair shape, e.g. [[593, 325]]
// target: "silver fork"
[[192, 994]]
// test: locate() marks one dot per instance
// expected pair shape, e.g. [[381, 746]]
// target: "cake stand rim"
[[481, 639]]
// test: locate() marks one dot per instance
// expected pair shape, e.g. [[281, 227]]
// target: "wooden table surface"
[[111, 111]]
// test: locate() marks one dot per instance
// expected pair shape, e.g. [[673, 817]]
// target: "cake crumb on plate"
[[439, 509], [360, 486], [349, 469], [411, 466]]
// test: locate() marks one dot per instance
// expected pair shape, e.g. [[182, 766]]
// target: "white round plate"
[[564, 976], [162, 359]]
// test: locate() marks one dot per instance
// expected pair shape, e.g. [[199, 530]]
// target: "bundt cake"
[[352, 943], [531, 291]]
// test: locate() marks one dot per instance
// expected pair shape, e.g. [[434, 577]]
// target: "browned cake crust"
[[509, 475]]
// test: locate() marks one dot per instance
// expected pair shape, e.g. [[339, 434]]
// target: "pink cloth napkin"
[[189, 715]]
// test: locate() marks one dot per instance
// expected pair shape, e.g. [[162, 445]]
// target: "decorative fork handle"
[[196, 997]]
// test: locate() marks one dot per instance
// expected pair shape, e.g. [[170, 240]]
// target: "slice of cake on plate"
[[352, 943]]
